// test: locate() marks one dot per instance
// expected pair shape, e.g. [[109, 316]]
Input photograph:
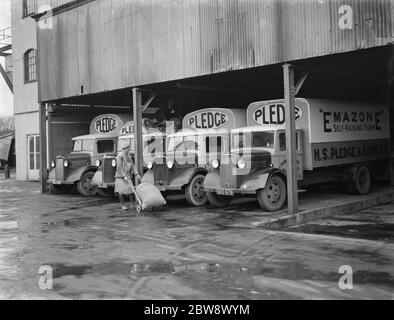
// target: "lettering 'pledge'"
[[273, 114], [106, 124], [207, 120]]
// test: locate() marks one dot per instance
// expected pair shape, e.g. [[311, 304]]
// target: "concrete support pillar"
[[43, 147], [137, 117], [292, 189]]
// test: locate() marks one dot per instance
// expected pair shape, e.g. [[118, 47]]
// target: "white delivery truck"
[[205, 135], [79, 167], [336, 141]]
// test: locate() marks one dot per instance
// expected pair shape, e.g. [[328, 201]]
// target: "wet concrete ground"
[[96, 251]]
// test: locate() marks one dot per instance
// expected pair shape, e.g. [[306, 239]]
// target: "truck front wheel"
[[362, 181], [273, 196], [85, 186], [218, 201], [194, 191]]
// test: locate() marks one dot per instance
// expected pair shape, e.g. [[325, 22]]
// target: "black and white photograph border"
[[196, 150]]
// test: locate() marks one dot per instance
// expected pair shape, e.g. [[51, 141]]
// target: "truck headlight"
[[113, 163], [98, 162], [53, 164], [66, 163], [215, 163], [150, 164], [241, 163], [170, 164]]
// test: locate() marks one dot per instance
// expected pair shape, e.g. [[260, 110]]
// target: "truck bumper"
[[230, 191], [60, 182]]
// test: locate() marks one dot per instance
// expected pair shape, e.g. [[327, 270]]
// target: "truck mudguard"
[[259, 179], [184, 178], [76, 175], [212, 179], [51, 175], [97, 178]]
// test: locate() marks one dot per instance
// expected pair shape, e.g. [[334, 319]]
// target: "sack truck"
[[153, 145], [78, 167], [204, 136], [342, 141]]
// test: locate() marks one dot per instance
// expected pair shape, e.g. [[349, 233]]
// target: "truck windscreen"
[[259, 139], [83, 145], [105, 146], [183, 143]]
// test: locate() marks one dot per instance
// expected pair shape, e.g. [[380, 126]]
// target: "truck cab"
[[190, 151], [346, 142], [256, 164], [79, 166]]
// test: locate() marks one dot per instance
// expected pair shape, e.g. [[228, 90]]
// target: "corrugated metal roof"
[[113, 44]]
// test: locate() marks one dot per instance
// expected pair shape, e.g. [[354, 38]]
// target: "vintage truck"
[[153, 145], [340, 141], [78, 168], [204, 136]]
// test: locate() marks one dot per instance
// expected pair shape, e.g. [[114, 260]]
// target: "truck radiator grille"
[[227, 177], [160, 172], [59, 170], [108, 171]]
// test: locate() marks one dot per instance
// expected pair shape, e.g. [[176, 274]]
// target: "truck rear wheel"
[[218, 201], [273, 196], [362, 181], [194, 191], [85, 186]]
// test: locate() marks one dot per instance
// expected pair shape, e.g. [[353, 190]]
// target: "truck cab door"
[[282, 155]]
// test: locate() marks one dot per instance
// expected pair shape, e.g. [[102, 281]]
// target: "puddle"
[[142, 268]]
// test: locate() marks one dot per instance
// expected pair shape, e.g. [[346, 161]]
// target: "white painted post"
[[292, 189]]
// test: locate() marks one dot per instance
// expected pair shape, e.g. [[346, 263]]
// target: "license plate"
[[225, 192]]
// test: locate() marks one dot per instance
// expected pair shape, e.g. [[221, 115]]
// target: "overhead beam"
[[292, 188], [300, 82], [149, 101], [6, 79]]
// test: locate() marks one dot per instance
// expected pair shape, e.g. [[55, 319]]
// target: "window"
[[263, 139], [183, 143], [29, 7], [83, 145], [30, 65], [104, 146], [213, 144], [282, 141], [77, 145]]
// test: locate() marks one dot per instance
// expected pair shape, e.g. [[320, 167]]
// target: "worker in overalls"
[[124, 168]]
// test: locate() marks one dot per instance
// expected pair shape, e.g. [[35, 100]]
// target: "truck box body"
[[334, 132]]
